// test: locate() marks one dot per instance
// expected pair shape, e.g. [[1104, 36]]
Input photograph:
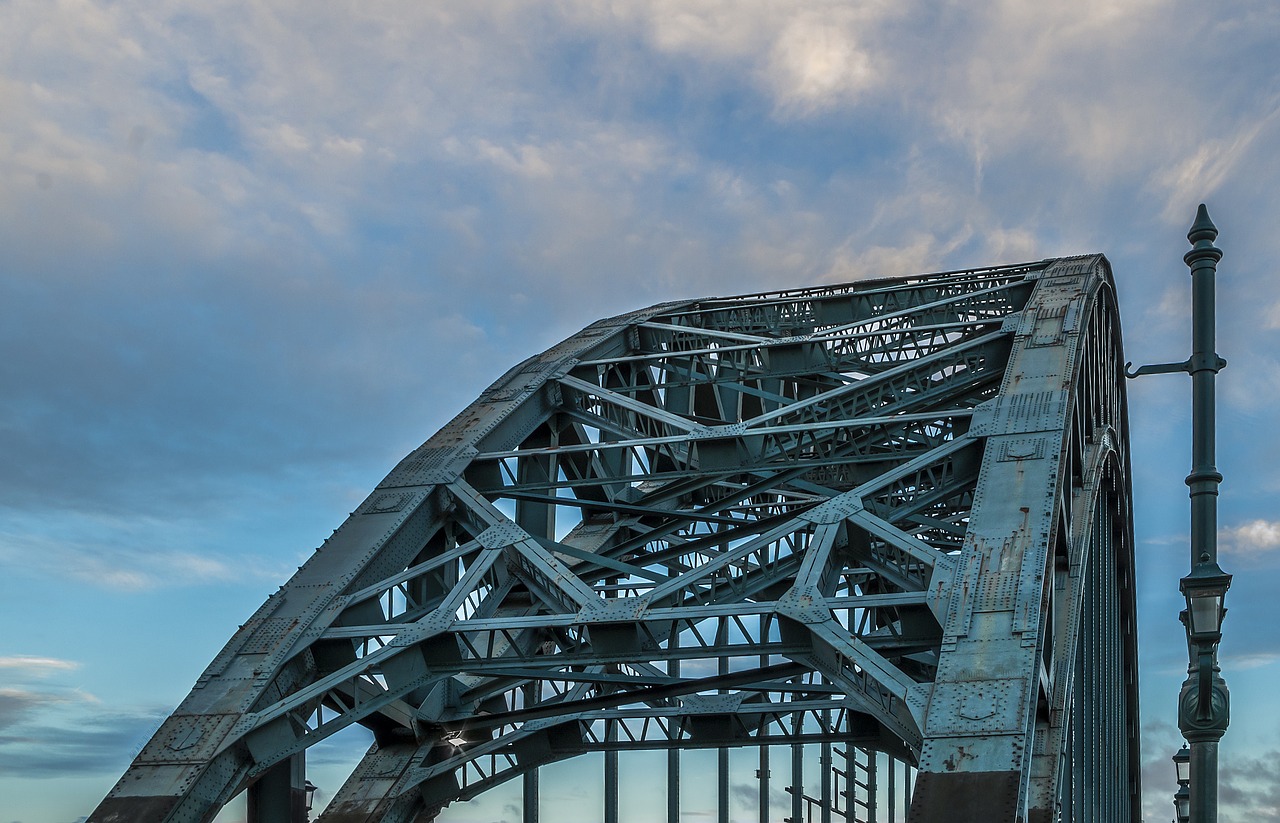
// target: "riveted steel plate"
[[425, 467], [975, 707], [996, 591], [840, 477], [1029, 448], [621, 610], [1033, 411], [187, 738], [1049, 328], [268, 635], [1072, 266], [501, 535], [714, 432], [523, 382], [834, 510], [386, 503]]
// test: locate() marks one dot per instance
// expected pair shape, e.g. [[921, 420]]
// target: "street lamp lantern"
[[309, 794], [1182, 765], [1182, 804], [1205, 589]]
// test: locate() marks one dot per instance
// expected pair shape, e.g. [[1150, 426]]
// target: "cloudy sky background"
[[252, 253]]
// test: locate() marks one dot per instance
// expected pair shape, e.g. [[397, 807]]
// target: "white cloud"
[[920, 252], [525, 160], [816, 63], [808, 57], [38, 666], [1252, 539]]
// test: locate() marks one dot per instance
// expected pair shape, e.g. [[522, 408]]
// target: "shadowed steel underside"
[[891, 516]]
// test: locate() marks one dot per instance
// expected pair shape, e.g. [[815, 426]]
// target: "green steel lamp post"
[[1204, 702]]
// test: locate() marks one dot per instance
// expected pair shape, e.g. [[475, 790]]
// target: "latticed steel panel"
[[891, 515]]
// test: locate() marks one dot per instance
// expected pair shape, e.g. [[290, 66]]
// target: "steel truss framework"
[[890, 516]]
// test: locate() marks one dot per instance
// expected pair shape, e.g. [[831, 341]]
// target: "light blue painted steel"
[[865, 488]]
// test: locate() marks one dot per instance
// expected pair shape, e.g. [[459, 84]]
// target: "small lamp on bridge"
[[1182, 804], [1182, 799], [309, 797], [1205, 589]]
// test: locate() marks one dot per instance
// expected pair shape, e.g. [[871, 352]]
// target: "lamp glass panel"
[[1205, 610]]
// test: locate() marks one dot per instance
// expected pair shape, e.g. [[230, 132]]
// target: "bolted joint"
[[1205, 361]]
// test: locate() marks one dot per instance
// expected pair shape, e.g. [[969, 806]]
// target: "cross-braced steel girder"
[[891, 515]]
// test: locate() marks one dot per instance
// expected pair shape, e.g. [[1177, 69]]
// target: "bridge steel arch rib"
[[891, 514]]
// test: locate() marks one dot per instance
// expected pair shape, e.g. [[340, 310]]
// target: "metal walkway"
[[887, 522]]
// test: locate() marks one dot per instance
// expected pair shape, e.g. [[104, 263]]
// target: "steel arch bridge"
[[888, 520]]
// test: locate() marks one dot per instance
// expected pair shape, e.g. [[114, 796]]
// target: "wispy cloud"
[[127, 560], [19, 705], [39, 666], [98, 743], [1203, 170], [1255, 660]]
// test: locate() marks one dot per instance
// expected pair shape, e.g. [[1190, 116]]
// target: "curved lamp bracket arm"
[[1190, 366]]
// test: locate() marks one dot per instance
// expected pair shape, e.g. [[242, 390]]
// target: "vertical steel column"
[[722, 754], [893, 791], [873, 760], [611, 774], [279, 796], [797, 777], [611, 734], [529, 798], [673, 754], [762, 774], [826, 770]]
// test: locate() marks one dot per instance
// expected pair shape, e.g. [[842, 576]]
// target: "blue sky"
[[252, 253]]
